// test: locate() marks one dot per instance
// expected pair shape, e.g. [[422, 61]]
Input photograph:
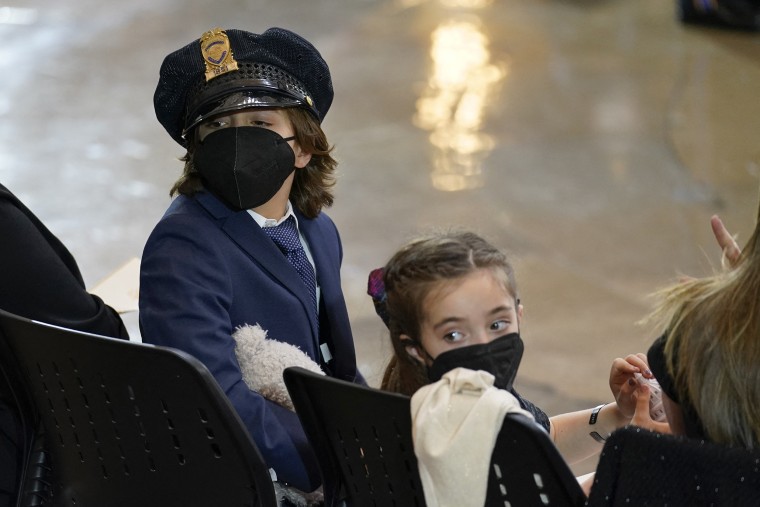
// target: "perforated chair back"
[[130, 424], [527, 469], [640, 467], [362, 437], [19, 424]]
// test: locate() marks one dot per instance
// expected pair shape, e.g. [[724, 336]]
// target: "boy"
[[248, 108]]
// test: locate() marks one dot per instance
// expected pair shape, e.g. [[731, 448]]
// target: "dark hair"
[[413, 272], [312, 186]]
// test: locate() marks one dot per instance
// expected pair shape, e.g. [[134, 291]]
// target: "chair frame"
[[540, 476], [363, 440], [127, 423]]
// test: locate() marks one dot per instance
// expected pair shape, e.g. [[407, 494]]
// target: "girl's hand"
[[623, 384]]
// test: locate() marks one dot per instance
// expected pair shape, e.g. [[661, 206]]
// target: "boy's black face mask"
[[244, 166], [500, 357]]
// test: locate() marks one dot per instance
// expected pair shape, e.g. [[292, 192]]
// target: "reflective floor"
[[592, 139]]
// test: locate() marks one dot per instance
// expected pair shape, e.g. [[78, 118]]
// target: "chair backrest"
[[19, 423], [527, 470], [640, 467], [363, 440], [130, 424]]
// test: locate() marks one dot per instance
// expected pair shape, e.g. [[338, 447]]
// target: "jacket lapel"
[[243, 230]]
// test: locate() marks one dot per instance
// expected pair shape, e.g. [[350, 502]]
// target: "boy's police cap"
[[229, 70]]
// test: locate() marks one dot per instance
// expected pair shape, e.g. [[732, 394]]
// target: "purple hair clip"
[[376, 289]]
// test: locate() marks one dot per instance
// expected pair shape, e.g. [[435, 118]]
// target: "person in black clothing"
[[706, 358], [39, 280]]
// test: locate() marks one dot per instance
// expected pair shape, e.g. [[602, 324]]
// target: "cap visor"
[[238, 101]]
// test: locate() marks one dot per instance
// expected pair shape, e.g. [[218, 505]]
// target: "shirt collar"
[[270, 222]]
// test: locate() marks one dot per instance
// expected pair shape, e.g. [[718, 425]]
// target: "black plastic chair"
[[643, 468], [128, 424], [363, 438], [528, 470], [19, 426]]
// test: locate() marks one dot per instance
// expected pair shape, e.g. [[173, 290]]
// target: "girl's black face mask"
[[500, 357], [244, 166]]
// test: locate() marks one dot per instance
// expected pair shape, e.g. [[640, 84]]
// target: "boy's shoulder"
[[197, 202], [190, 213], [322, 222]]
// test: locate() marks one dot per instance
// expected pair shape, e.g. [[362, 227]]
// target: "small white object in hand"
[[262, 361]]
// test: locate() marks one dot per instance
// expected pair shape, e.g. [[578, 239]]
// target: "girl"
[[451, 300]]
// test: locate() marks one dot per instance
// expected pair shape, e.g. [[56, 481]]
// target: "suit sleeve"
[[185, 297]]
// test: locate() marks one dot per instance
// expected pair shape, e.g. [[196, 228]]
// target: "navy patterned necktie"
[[285, 236]]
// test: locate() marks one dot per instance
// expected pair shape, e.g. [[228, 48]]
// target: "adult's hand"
[[642, 417], [726, 241]]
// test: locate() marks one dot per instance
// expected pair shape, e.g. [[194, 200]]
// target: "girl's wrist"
[[605, 419]]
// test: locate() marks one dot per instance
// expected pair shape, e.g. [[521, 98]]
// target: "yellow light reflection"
[[462, 81], [467, 4]]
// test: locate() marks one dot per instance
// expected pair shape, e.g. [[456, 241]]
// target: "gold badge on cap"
[[217, 53]]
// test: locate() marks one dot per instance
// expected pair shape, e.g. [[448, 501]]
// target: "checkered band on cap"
[[250, 77], [277, 63]]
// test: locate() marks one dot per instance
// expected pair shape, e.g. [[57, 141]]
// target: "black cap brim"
[[238, 101]]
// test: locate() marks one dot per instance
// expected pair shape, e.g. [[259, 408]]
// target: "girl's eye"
[[453, 337], [216, 124], [260, 123], [499, 325]]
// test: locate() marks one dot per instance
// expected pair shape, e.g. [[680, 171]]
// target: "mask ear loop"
[[517, 308]]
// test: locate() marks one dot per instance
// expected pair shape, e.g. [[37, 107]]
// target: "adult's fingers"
[[725, 240]]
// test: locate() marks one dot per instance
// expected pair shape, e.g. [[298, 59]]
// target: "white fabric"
[[455, 422]]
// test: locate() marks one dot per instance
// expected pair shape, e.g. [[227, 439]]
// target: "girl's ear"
[[411, 348], [519, 311]]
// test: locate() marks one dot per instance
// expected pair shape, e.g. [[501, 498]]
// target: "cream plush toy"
[[262, 362]]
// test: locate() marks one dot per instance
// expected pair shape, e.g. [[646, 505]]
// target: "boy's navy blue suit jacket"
[[207, 270]]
